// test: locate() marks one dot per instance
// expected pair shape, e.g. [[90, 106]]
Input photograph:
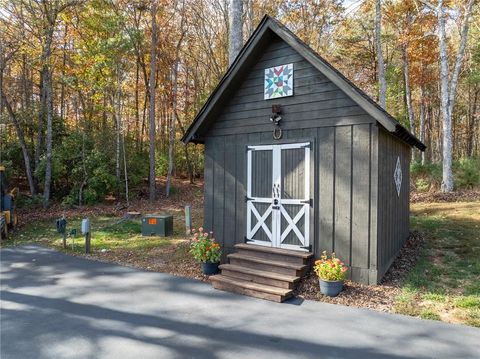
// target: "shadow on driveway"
[[57, 306]]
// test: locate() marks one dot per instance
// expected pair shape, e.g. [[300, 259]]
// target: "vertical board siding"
[[373, 233], [240, 187], [393, 209], [360, 196], [219, 188], [356, 211], [343, 182], [326, 189], [341, 173], [230, 193], [208, 185]]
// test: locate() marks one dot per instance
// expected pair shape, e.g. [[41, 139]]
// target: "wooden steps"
[[262, 272]]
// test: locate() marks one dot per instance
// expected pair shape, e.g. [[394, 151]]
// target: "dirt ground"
[[379, 297]]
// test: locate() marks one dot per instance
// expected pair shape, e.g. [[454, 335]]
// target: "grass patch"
[[445, 283], [429, 314], [468, 302], [119, 240]]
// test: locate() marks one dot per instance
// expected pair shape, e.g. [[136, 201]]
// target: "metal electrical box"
[[157, 225]]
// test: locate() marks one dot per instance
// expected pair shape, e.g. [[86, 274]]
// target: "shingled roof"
[[247, 55]]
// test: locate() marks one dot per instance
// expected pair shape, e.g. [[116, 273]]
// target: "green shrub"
[[161, 164], [422, 185], [426, 177], [28, 201], [467, 173]]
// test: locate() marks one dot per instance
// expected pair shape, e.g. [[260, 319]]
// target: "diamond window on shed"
[[397, 175]]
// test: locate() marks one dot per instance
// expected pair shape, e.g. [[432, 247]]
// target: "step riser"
[[272, 256], [250, 292], [266, 267], [258, 279]]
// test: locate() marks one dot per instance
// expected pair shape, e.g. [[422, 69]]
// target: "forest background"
[[96, 94]]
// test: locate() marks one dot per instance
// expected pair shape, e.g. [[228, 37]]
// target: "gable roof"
[[247, 55]]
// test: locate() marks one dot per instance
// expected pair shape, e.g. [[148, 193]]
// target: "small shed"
[[298, 157]]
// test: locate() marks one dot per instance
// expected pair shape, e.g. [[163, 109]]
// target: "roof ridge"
[[322, 65]]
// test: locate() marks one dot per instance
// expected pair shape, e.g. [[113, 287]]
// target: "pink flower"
[[205, 234], [201, 229]]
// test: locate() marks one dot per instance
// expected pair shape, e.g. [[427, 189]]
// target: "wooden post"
[[87, 242], [188, 219], [65, 239]]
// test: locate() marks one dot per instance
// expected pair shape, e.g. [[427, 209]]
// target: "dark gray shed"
[[332, 175]]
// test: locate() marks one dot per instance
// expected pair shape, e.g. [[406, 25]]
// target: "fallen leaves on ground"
[[185, 194], [379, 297], [173, 259], [436, 196]]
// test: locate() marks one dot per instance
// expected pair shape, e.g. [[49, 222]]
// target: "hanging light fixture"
[[275, 119]]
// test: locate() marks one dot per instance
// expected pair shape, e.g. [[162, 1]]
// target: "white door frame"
[[276, 208]]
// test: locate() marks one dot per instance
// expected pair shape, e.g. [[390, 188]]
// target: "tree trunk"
[[137, 106], [236, 29], [448, 88], [422, 120], [471, 125], [408, 93], [151, 114], [49, 137], [250, 17], [23, 145], [171, 135], [62, 85], [118, 126], [2, 67], [47, 87], [40, 123], [382, 83]]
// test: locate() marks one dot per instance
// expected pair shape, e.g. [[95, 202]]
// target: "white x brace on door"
[[278, 195]]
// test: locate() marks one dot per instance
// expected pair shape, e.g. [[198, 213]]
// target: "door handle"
[[308, 201], [276, 190]]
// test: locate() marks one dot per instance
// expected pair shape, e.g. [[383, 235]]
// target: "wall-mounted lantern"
[[275, 119]]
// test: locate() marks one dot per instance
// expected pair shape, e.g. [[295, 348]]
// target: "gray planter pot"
[[209, 268], [331, 287]]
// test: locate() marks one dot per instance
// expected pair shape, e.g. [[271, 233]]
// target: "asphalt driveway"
[[57, 306]]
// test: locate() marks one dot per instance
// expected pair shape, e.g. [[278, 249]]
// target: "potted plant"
[[205, 250], [331, 273]]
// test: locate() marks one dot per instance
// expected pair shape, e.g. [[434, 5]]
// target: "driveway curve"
[[58, 306]]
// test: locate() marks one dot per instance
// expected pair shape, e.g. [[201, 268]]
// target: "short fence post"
[[188, 219], [87, 243], [87, 232]]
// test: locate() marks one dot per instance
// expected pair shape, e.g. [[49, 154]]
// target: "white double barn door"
[[278, 195]]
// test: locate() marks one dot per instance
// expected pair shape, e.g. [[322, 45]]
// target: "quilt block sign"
[[278, 81]]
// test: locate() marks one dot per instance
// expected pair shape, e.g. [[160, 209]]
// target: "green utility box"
[[157, 225]]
